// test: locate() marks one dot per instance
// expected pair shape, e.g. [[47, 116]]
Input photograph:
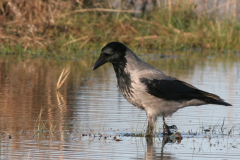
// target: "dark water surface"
[[82, 118]]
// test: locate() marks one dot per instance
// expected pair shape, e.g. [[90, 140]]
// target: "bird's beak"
[[101, 61]]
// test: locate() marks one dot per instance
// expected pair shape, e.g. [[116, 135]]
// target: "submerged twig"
[[115, 138], [63, 77]]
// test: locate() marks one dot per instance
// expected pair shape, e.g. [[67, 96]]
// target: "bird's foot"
[[169, 130]]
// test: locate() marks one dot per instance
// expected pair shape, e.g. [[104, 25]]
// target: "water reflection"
[[153, 152], [89, 103]]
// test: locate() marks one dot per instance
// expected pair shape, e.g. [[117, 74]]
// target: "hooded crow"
[[150, 89]]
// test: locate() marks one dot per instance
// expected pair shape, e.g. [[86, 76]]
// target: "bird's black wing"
[[175, 90]]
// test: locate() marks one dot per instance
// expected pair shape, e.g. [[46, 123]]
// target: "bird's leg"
[[166, 130], [150, 128], [149, 132]]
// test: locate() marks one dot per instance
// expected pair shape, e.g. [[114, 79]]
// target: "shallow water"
[[82, 118]]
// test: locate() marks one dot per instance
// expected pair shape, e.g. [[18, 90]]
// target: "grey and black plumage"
[[150, 89]]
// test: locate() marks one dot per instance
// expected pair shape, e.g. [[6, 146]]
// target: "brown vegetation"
[[56, 26]]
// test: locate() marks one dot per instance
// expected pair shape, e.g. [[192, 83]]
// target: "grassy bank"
[[66, 29]]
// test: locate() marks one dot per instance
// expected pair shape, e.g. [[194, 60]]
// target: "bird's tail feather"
[[219, 102]]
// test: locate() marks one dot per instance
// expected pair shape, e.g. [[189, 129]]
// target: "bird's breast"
[[125, 85]]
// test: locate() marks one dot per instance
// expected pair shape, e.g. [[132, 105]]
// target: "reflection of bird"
[[150, 89]]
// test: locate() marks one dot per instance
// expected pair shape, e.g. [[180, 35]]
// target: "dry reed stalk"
[[147, 37], [227, 8], [63, 77], [99, 10], [170, 10], [60, 99], [61, 102], [234, 8], [158, 4], [39, 122], [51, 14], [75, 40], [85, 42], [133, 29], [212, 9]]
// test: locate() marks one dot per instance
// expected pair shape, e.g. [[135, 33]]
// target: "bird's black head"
[[113, 52]]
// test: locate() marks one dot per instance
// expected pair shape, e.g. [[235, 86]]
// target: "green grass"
[[74, 35]]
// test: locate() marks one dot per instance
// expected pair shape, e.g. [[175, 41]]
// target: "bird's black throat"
[[123, 77]]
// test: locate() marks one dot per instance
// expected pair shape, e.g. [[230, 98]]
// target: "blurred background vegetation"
[[64, 28]]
